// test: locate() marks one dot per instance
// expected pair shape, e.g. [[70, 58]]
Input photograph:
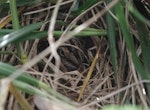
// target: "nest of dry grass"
[[77, 55]]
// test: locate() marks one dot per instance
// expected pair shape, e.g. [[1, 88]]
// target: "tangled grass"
[[74, 55]]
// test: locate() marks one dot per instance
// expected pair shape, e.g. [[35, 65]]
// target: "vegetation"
[[74, 54]]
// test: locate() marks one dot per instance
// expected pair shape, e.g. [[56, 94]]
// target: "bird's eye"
[[61, 53]]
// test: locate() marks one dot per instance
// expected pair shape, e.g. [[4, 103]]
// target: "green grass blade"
[[43, 34], [6, 70], [37, 92], [16, 25], [14, 14], [9, 38], [129, 41], [112, 39], [128, 38], [137, 14], [144, 38], [85, 6], [124, 107]]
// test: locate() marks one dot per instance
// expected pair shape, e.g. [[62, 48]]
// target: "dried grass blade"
[[21, 100], [89, 74]]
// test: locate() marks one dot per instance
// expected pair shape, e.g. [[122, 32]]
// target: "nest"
[[76, 56]]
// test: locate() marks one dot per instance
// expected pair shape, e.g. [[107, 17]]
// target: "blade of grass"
[[129, 41], [21, 100], [136, 13], [5, 21], [85, 6], [124, 107], [14, 14], [9, 38], [112, 38], [112, 43], [144, 38], [3, 93], [16, 26], [38, 92], [88, 74], [128, 38], [6, 70], [43, 34], [34, 91]]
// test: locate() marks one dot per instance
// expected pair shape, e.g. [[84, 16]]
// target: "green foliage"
[[43, 34], [5, 3], [112, 38], [9, 38], [84, 6], [124, 107], [6, 70], [26, 82]]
